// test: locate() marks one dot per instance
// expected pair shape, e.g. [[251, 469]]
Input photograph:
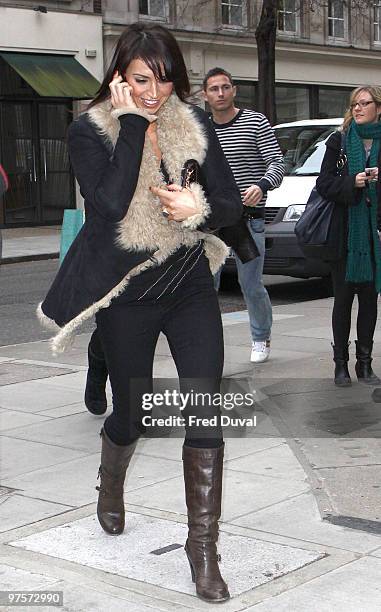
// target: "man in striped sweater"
[[256, 161]]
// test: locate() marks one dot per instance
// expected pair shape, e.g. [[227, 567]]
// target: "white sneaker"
[[260, 351]]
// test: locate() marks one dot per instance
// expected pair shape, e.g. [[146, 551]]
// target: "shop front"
[[37, 92]]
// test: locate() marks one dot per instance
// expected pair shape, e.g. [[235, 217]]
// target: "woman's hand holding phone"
[[121, 92], [177, 202]]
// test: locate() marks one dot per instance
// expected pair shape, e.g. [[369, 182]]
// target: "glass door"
[[34, 154], [56, 183], [18, 155]]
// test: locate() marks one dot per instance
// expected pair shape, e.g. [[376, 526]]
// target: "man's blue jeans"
[[252, 287]]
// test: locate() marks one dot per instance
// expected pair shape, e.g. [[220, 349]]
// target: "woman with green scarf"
[[356, 191]]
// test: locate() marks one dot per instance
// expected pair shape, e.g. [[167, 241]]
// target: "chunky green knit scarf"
[[363, 242]]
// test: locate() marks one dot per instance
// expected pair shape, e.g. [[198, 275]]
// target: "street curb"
[[33, 257]]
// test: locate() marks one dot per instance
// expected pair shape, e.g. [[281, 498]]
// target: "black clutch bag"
[[239, 238], [190, 173]]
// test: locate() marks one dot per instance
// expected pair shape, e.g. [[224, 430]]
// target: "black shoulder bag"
[[237, 236], [313, 228]]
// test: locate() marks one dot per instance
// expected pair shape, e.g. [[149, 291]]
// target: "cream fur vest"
[[181, 137]]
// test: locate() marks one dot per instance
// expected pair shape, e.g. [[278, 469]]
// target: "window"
[[336, 19], [377, 22], [332, 102], [292, 103], [303, 148], [246, 94], [153, 8], [97, 7], [287, 21], [232, 12]]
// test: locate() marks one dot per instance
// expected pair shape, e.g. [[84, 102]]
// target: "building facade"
[[51, 57], [321, 54]]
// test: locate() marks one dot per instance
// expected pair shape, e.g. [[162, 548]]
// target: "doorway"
[[34, 153]]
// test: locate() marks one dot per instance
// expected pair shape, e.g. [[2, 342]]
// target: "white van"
[[303, 146]]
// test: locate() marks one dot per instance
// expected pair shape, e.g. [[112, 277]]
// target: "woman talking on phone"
[[356, 192], [143, 264]]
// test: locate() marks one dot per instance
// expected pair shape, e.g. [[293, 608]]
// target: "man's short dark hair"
[[215, 72]]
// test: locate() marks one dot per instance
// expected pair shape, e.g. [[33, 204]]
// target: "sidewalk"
[[30, 244], [312, 461]]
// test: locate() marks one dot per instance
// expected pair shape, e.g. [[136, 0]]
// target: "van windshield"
[[303, 148]]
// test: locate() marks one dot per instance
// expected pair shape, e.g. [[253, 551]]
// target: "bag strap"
[[342, 158], [343, 140]]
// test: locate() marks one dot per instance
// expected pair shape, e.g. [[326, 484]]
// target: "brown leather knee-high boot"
[[115, 460], [203, 489]]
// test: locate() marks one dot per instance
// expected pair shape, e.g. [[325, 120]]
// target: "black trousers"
[[129, 330], [344, 293]]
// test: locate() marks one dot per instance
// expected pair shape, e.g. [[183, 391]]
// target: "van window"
[[303, 148]]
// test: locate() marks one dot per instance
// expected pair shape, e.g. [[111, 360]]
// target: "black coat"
[[108, 177], [340, 189]]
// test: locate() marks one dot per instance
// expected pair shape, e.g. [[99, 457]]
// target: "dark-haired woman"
[[143, 265], [357, 269]]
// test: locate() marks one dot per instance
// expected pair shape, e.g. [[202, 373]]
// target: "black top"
[[342, 190], [94, 265]]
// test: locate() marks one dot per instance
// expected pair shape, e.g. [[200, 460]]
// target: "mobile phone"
[[372, 173]]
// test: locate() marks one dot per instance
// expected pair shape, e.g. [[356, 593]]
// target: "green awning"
[[58, 76]]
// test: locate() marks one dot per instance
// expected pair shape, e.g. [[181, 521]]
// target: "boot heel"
[[190, 565], [112, 472], [203, 487]]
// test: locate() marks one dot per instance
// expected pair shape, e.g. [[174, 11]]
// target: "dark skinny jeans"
[[129, 330], [344, 293]]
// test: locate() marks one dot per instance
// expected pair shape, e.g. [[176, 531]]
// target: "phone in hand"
[[372, 174]]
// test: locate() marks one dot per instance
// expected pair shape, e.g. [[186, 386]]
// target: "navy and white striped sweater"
[[253, 153]]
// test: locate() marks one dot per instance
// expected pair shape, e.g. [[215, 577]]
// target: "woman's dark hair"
[[158, 48]]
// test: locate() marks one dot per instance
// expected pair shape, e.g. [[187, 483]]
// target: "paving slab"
[[354, 491], [341, 452], [277, 462], [12, 372], [41, 351], [171, 448], [240, 447], [87, 599], [325, 331], [300, 518], [355, 587], [11, 579], [235, 354], [62, 411], [74, 482], [131, 554], [75, 431], [324, 412], [31, 396], [76, 380], [19, 457], [17, 510], [12, 419], [30, 241], [242, 493]]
